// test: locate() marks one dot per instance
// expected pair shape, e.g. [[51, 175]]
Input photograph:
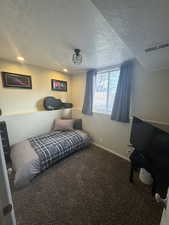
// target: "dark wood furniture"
[[5, 140], [151, 143]]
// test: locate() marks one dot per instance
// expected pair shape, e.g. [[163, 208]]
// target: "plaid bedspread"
[[55, 146]]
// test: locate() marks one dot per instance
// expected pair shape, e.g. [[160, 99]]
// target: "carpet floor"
[[90, 187]]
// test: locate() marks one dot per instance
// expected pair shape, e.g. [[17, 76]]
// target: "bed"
[[36, 154]]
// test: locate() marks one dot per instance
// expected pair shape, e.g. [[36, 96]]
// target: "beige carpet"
[[90, 187]]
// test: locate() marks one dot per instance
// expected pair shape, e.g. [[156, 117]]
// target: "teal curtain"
[[88, 100], [121, 107]]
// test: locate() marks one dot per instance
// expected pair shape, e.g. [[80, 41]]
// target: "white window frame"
[[109, 70]]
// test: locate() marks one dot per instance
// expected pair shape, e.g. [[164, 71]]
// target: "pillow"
[[63, 124], [77, 123]]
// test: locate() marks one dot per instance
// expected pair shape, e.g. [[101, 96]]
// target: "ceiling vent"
[[156, 47]]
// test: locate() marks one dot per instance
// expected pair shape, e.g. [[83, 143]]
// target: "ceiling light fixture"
[[65, 70], [20, 58], [77, 57]]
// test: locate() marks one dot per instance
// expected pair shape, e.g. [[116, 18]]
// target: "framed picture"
[[13, 80], [59, 85]]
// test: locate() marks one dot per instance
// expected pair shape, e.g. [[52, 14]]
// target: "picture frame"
[[14, 80], [59, 85]]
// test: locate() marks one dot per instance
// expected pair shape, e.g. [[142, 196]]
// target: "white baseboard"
[[110, 150]]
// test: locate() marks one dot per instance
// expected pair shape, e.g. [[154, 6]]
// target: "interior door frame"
[[1, 214], [5, 191]]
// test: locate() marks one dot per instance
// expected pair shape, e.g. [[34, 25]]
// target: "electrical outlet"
[[130, 149]]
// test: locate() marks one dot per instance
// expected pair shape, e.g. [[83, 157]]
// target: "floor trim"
[[110, 150]]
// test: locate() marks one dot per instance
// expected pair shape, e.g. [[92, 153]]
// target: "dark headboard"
[[77, 124], [5, 139]]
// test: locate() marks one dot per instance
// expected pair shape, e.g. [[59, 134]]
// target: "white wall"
[[14, 100], [78, 83], [26, 125], [22, 109], [105, 132], [151, 94], [149, 100]]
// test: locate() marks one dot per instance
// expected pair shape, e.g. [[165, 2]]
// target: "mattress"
[[26, 161]]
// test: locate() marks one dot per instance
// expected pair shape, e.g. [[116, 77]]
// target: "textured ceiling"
[[108, 32], [140, 24], [46, 32]]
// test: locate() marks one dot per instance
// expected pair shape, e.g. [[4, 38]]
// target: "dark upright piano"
[[151, 143]]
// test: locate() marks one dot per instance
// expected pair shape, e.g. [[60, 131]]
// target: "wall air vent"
[[156, 47]]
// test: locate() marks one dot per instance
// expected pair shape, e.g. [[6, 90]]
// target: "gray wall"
[[149, 100]]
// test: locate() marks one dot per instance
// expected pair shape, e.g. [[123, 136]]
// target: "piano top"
[[162, 127]]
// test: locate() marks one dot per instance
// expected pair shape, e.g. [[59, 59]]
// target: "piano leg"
[[153, 187], [131, 173]]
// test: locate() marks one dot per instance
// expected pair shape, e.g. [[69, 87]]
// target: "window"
[[105, 86]]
